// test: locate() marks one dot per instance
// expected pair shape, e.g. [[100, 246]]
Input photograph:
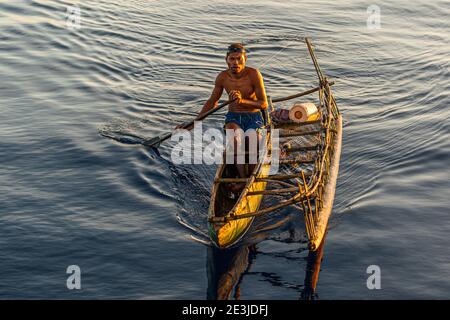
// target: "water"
[[72, 197]]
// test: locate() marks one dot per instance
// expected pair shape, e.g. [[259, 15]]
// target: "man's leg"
[[236, 142]]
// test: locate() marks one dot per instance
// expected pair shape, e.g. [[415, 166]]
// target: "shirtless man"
[[244, 84]]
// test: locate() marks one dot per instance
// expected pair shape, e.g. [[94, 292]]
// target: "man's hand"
[[236, 94]]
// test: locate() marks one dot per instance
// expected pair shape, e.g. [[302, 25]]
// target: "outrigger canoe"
[[308, 169]]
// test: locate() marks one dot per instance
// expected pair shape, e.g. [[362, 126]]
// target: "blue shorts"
[[245, 120]]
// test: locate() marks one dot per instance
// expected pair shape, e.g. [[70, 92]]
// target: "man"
[[246, 86]]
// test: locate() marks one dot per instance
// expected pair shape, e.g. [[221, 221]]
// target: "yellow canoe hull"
[[227, 234]]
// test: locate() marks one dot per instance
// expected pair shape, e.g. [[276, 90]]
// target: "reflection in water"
[[312, 272], [226, 270]]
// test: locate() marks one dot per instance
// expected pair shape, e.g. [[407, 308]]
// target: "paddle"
[[156, 141]]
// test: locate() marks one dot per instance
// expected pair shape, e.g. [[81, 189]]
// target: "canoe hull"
[[225, 235], [330, 188]]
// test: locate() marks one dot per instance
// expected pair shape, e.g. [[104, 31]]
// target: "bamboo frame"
[[298, 134], [271, 177]]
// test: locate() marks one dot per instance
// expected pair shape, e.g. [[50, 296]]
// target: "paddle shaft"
[[213, 110], [155, 141]]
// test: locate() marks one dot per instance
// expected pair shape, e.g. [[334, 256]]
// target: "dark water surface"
[[71, 197]]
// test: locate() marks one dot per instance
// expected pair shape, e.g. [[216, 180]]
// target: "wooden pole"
[[305, 93]]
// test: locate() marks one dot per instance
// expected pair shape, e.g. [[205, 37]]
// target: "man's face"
[[236, 61]]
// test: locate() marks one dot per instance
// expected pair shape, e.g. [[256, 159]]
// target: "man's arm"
[[211, 103], [260, 92]]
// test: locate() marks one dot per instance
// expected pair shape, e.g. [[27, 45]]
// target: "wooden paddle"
[[156, 141]]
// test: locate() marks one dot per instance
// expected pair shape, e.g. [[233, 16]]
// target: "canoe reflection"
[[226, 270], [313, 263]]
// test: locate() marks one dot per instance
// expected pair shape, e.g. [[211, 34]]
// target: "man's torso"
[[244, 84]]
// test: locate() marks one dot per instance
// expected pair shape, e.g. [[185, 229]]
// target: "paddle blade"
[[153, 142]]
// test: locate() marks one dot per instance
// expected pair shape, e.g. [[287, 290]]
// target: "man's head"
[[236, 57]]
